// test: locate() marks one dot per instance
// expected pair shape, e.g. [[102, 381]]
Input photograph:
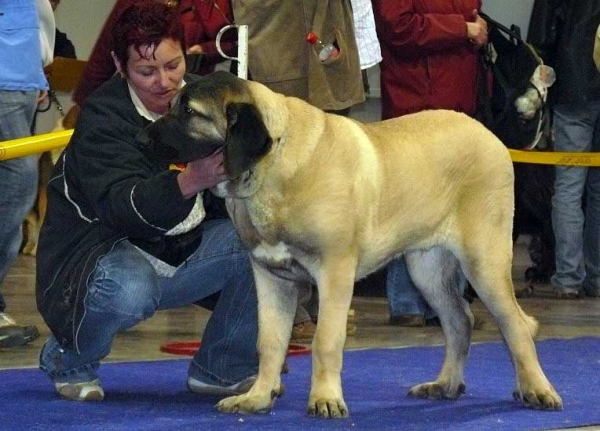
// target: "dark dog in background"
[[534, 184]]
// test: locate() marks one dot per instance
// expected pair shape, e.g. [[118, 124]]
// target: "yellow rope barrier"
[[34, 144], [555, 158], [50, 141]]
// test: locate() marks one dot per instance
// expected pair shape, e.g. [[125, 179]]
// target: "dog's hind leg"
[[436, 273], [277, 300], [488, 267]]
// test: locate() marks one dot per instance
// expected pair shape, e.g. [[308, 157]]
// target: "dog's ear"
[[248, 139]]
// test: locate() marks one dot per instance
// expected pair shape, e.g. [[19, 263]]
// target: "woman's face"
[[156, 75]]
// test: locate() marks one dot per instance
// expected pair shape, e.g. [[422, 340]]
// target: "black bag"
[[509, 63]]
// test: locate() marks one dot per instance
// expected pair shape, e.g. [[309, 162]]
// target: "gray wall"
[[510, 12], [82, 21]]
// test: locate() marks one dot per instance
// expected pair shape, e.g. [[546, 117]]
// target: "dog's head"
[[217, 111]]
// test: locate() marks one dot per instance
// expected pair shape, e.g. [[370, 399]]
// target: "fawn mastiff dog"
[[323, 198]]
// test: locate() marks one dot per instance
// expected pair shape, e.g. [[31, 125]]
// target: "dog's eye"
[[189, 110]]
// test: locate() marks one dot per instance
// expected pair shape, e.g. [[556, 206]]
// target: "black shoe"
[[478, 322], [408, 320], [568, 293], [434, 321], [13, 335]]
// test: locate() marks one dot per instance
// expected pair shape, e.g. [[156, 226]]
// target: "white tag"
[[543, 76]]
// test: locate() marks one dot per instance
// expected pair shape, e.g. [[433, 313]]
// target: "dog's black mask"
[[193, 130], [168, 139]]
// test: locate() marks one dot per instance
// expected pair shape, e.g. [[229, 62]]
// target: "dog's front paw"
[[31, 231], [29, 249], [437, 391], [328, 408], [250, 402], [540, 400]]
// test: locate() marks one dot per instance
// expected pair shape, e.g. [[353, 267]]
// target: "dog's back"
[[430, 176]]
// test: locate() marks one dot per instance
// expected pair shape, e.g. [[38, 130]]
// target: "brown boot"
[[408, 320], [304, 331]]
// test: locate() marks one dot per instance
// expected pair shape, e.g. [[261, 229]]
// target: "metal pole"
[[242, 54]]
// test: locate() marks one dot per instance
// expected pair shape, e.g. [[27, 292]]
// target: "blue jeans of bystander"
[[404, 298], [577, 230], [18, 177], [125, 290]]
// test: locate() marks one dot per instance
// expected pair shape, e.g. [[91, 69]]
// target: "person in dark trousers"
[[280, 57], [27, 31], [564, 31]]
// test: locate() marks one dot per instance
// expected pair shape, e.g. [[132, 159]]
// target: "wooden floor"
[[558, 319]]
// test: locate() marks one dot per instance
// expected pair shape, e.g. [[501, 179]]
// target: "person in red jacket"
[[202, 20], [429, 50]]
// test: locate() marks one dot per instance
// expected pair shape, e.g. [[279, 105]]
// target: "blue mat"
[[152, 395]]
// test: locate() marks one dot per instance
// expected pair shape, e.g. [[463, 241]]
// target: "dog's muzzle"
[[168, 141]]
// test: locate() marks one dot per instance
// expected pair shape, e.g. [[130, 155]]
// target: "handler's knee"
[[125, 284]]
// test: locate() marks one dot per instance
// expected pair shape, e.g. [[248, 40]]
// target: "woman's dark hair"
[[145, 24]]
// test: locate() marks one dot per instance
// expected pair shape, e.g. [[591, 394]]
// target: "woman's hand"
[[42, 96], [477, 31], [194, 49], [202, 174]]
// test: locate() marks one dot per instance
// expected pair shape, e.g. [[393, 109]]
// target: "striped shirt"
[[369, 50]]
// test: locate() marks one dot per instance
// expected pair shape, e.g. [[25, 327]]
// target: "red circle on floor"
[[189, 348]]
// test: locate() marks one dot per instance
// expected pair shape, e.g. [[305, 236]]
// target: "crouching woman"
[[125, 236]]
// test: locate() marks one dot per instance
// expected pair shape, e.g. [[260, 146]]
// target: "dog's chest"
[[262, 229], [284, 261], [277, 256], [269, 246]]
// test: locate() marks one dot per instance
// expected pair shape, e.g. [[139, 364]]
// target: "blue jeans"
[[18, 177], [125, 289], [577, 231], [403, 296]]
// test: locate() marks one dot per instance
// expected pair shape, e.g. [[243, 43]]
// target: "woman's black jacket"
[[106, 188]]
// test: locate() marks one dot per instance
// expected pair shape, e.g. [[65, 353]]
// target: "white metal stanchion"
[[242, 54]]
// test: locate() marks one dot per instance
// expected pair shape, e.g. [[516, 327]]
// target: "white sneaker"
[[199, 387], [84, 391]]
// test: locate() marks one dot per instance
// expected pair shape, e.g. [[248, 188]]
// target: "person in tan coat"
[[280, 57]]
